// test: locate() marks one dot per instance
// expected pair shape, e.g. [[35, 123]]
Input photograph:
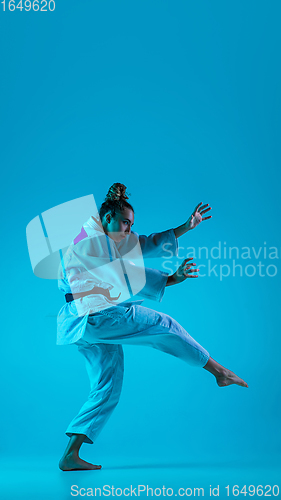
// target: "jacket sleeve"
[[163, 244]]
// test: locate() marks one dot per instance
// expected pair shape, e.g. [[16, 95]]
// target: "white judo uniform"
[[100, 323]]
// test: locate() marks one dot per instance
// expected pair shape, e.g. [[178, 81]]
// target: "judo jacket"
[[93, 259]]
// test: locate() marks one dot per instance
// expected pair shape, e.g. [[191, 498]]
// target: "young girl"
[[103, 284]]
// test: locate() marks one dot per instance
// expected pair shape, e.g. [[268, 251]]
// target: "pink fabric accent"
[[80, 236]]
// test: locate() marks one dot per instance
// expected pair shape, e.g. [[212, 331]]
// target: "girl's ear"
[[108, 218]]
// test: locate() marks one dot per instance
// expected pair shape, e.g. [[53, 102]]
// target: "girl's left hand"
[[196, 216]]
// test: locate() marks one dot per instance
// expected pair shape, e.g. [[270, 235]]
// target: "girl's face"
[[119, 226]]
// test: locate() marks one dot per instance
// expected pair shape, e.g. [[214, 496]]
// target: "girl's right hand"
[[184, 271]]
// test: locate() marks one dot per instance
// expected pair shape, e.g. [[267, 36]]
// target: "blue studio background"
[[180, 101]]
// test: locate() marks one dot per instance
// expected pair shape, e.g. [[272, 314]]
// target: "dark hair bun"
[[115, 201], [117, 192]]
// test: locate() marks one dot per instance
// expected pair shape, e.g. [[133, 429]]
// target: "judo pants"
[[101, 345]]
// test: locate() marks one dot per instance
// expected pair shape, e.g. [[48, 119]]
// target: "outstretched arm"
[[194, 220]]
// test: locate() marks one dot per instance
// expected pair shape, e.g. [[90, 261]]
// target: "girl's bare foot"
[[226, 377], [223, 376], [73, 462]]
